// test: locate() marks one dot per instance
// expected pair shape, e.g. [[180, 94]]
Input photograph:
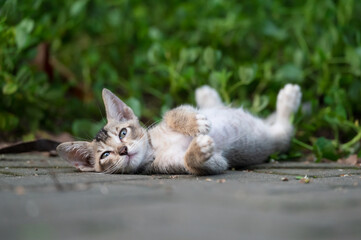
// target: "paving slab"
[[44, 198]]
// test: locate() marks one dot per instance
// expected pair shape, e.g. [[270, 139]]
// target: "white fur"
[[288, 101], [237, 135], [207, 97], [169, 147]]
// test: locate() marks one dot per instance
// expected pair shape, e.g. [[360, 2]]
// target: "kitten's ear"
[[115, 108], [79, 154]]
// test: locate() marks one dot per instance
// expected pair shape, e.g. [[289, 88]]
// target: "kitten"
[[204, 140]]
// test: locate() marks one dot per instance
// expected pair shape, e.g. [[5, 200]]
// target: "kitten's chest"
[[169, 147]]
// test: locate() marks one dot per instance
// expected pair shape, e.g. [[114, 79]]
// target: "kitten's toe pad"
[[203, 124], [207, 97], [206, 145], [288, 100]]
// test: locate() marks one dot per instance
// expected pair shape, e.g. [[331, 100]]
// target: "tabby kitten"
[[204, 140]]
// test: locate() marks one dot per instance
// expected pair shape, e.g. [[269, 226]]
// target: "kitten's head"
[[119, 147]]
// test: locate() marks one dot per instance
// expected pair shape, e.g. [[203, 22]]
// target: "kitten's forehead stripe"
[[102, 135]]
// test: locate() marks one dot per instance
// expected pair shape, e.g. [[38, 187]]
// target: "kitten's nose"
[[123, 150]]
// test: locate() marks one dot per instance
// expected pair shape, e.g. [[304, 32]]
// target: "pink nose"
[[123, 150]]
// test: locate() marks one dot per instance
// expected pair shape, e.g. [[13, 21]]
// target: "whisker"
[[80, 138], [154, 123], [116, 166], [101, 113], [112, 168]]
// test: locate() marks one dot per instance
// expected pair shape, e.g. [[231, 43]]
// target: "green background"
[[56, 56]]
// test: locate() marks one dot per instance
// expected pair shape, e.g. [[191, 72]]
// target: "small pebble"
[[221, 180], [104, 190], [19, 190], [53, 153], [208, 180], [305, 179]]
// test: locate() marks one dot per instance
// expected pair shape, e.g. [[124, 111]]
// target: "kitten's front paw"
[[203, 124]]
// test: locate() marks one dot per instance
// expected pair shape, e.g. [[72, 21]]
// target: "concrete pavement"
[[45, 198]]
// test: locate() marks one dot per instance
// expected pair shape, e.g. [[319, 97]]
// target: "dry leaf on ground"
[[352, 160]]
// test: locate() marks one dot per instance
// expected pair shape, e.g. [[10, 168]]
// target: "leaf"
[[8, 121], [154, 33], [344, 11], [188, 55], [351, 160], [8, 8], [354, 59], [209, 57], [22, 32], [270, 29], [305, 179], [298, 57], [324, 148], [259, 103], [83, 128], [10, 88], [155, 53], [246, 75], [289, 72], [78, 7], [220, 78], [135, 105], [28, 137]]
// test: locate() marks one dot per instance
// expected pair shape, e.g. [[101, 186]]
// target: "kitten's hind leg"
[[288, 102], [271, 119], [200, 158], [207, 97]]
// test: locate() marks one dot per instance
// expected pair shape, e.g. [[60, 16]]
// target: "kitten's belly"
[[169, 148], [242, 137], [228, 125]]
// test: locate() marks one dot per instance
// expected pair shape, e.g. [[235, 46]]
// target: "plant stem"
[[302, 144], [352, 141]]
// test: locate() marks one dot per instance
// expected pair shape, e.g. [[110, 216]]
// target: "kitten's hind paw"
[[200, 157], [206, 146], [199, 151], [288, 101], [207, 97]]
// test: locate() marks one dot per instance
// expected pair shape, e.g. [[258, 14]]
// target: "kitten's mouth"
[[130, 156]]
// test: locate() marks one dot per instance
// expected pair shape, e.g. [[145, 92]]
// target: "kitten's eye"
[[104, 155], [122, 133]]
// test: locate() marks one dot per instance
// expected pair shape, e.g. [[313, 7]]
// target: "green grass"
[[153, 54]]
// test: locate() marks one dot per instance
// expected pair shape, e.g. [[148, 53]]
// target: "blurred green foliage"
[[153, 54]]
